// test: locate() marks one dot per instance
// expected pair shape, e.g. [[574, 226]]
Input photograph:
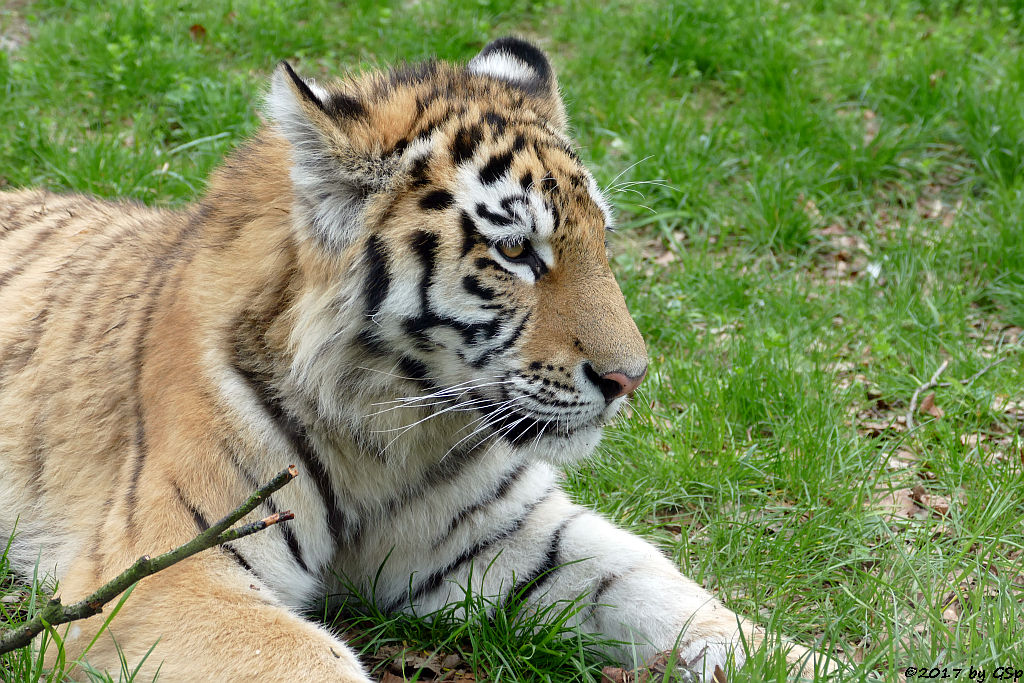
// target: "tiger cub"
[[401, 285]]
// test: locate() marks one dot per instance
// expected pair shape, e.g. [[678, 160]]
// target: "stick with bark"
[[53, 613]]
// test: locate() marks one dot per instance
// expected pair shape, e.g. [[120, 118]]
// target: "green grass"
[[839, 209]]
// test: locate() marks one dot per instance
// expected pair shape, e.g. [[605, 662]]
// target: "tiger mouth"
[[517, 427]]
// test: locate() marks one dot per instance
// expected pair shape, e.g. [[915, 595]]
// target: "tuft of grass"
[[493, 641]]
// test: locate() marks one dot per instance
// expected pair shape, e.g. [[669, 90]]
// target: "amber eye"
[[512, 251]]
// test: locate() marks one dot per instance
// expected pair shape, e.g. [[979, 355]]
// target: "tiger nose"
[[615, 384]]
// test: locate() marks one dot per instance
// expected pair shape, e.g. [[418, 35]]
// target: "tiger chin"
[[401, 285]]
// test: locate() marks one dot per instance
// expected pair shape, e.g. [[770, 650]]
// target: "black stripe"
[[378, 277], [197, 516], [542, 574], [237, 556], [252, 483], [556, 217], [505, 345], [483, 263], [603, 585], [496, 121], [425, 245], [499, 492], [438, 200], [522, 51], [443, 472], [497, 167], [18, 359], [526, 181], [470, 235], [202, 524], [368, 340], [289, 537], [434, 581], [472, 285], [337, 104], [399, 147], [495, 218], [414, 370], [418, 171], [173, 254], [606, 582], [344, 106], [32, 253], [295, 433], [465, 143]]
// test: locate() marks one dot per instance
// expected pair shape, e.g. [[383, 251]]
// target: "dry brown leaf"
[[451, 661], [951, 614], [614, 674], [928, 406], [899, 504], [901, 460], [665, 259], [971, 440], [389, 677], [939, 505]]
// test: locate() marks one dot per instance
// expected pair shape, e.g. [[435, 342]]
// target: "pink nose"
[[616, 384]]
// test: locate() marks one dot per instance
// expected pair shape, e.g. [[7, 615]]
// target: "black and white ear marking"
[[304, 88], [515, 61], [288, 89], [331, 173]]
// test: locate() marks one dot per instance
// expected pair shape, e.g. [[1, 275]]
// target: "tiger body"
[[401, 286]]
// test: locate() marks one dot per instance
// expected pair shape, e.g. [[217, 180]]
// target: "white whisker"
[[626, 170]]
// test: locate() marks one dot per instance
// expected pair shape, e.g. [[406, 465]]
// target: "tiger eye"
[[512, 251]]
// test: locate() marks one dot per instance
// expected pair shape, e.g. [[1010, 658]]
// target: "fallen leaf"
[[665, 259], [614, 674], [901, 460], [939, 505], [971, 440], [451, 661], [952, 613], [928, 406], [899, 504]]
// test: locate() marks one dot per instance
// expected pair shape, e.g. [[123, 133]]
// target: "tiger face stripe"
[[400, 285]]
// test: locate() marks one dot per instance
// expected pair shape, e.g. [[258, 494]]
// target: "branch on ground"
[[53, 613]]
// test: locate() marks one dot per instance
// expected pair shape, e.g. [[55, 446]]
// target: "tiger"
[[400, 283]]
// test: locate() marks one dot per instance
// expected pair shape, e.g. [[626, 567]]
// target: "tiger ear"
[[524, 66], [333, 171]]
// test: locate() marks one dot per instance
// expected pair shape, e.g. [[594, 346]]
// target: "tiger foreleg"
[[641, 600], [635, 599]]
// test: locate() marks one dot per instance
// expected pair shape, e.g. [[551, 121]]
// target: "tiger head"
[[468, 244]]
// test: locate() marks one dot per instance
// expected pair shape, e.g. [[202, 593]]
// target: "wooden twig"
[[53, 613], [934, 382], [970, 380], [930, 384]]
